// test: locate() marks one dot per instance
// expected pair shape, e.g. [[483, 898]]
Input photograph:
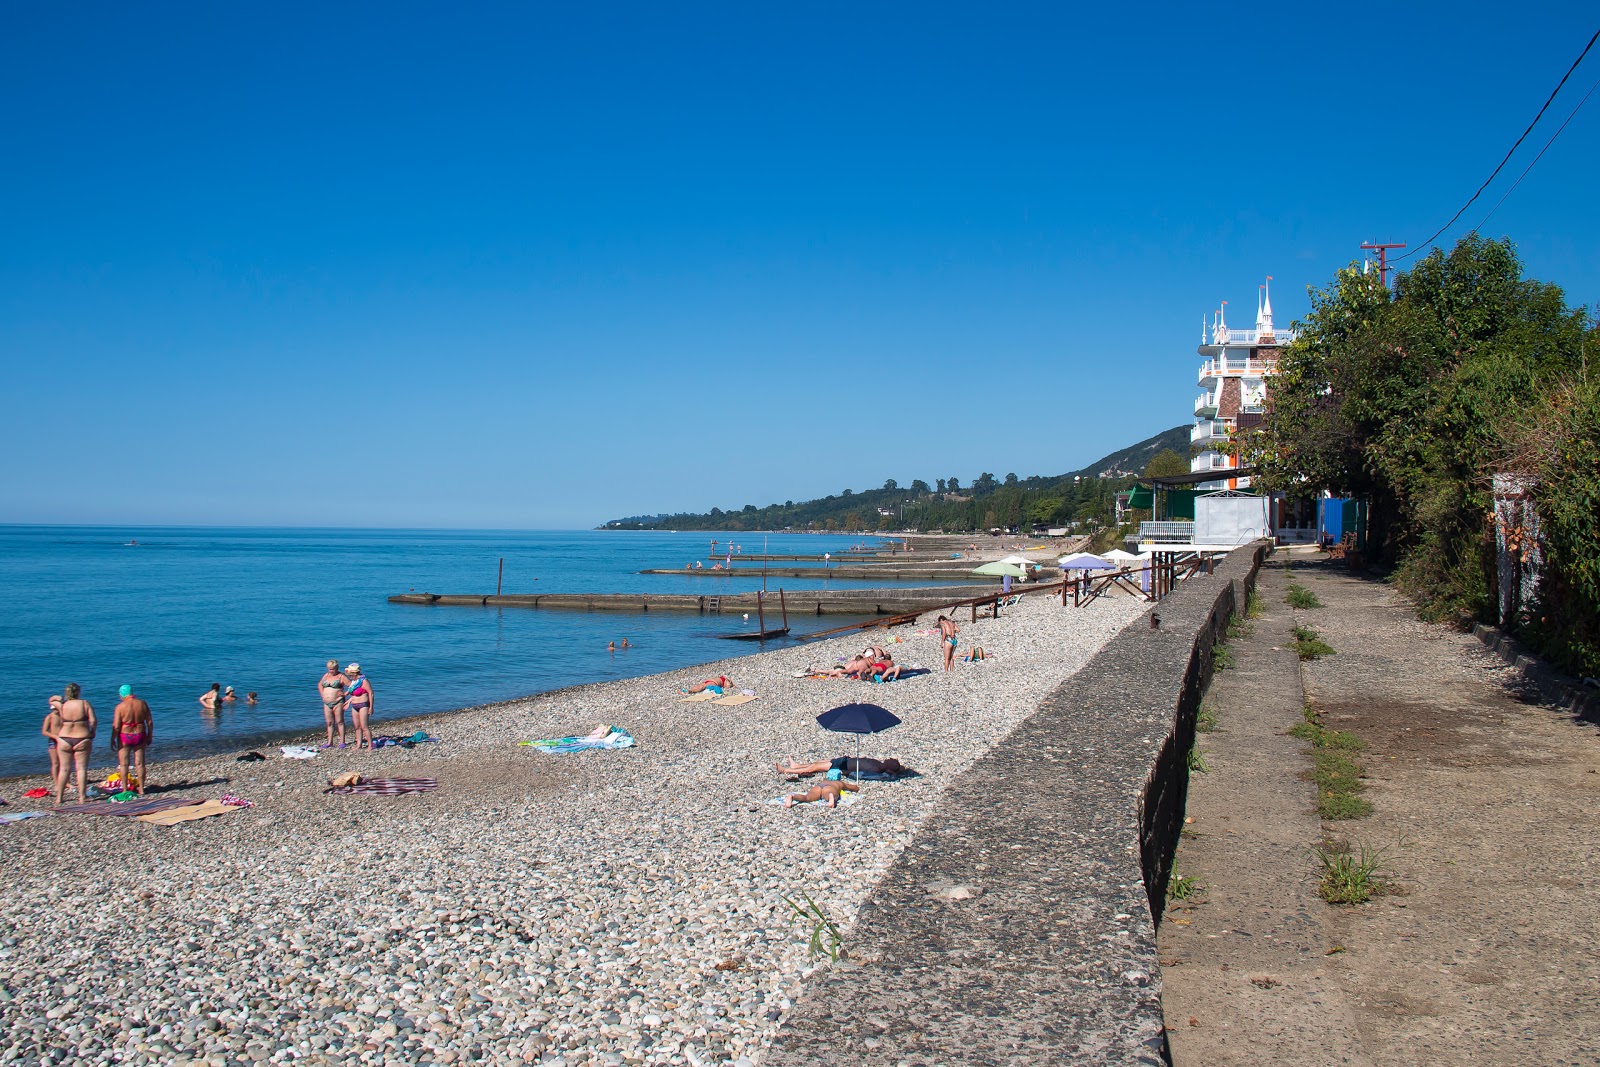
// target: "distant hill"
[[1131, 461], [1084, 495]]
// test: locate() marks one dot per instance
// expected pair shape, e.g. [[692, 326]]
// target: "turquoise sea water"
[[264, 609]]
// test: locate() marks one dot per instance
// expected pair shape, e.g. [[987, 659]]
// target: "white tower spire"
[[1264, 323]]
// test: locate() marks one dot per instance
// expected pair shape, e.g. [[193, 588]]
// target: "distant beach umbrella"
[[858, 719], [1000, 569], [1084, 561]]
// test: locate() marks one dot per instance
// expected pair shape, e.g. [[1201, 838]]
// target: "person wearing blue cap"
[[132, 730]]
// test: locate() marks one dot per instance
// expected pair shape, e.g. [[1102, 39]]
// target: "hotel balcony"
[[1205, 406], [1210, 461], [1207, 431], [1223, 366]]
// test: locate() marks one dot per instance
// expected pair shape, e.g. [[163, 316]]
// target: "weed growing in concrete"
[[1351, 877], [1254, 606], [1197, 762], [1183, 887], [1207, 719], [1308, 644], [1237, 627], [825, 936], [1221, 657], [1334, 769], [1301, 597]]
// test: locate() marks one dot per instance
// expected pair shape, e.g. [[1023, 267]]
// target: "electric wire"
[[1540, 156], [1551, 99]]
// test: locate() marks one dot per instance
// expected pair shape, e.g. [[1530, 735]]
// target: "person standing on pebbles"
[[75, 728], [331, 688], [947, 638], [360, 699], [132, 730]]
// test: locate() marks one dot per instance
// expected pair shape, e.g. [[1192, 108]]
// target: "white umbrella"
[[1119, 556], [1084, 561]]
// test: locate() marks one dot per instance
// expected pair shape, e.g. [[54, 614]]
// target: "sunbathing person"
[[886, 670], [829, 790], [852, 668], [717, 685], [844, 765]]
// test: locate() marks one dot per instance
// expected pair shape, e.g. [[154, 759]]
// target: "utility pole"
[[1383, 260]]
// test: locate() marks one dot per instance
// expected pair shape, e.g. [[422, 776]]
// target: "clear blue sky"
[[542, 266]]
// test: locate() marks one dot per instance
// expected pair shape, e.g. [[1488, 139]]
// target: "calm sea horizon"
[[262, 608]]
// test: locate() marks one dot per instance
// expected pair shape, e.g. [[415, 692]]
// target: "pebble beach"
[[602, 907]]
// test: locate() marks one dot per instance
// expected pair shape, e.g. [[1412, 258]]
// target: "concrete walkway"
[[1490, 803], [1245, 974]]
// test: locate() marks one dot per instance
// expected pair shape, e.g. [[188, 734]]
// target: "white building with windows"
[[1234, 374]]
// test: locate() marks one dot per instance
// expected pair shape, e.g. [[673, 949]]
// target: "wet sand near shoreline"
[[610, 907]]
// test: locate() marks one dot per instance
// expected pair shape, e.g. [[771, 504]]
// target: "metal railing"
[[1210, 429], [1180, 533], [1203, 403]]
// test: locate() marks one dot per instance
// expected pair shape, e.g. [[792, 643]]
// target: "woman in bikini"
[[947, 637], [52, 723], [359, 697], [331, 688], [132, 730], [74, 736]]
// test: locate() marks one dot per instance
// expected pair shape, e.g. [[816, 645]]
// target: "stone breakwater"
[[600, 908]]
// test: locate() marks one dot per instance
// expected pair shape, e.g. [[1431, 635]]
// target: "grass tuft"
[[1207, 720], [1351, 877], [1254, 606], [1221, 657], [1183, 887], [1334, 769], [1197, 762], [826, 938], [1301, 597], [1308, 644]]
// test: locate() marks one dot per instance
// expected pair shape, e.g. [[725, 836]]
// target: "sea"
[[170, 610]]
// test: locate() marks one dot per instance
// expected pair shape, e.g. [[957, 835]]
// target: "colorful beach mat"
[[695, 698], [734, 701], [22, 816], [387, 787], [146, 806], [617, 738]]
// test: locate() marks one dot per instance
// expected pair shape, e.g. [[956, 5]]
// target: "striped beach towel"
[[387, 787], [129, 807], [188, 813]]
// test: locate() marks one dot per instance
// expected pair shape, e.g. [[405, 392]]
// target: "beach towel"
[[735, 701], [131, 807], [695, 698], [387, 787], [188, 813], [909, 672], [234, 801], [879, 776], [420, 737], [19, 816], [845, 800], [298, 752], [555, 746], [37, 794]]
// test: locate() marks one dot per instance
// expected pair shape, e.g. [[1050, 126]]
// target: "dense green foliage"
[[1087, 496], [1414, 399]]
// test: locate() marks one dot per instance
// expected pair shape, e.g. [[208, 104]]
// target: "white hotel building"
[[1235, 373]]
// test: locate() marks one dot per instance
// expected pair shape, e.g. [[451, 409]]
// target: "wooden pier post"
[[501, 581], [761, 614], [784, 606]]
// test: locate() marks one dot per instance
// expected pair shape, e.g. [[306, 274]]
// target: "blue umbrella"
[[858, 719]]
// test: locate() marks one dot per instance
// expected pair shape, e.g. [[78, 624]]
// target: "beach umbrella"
[[999, 569], [1119, 556], [1021, 561], [1083, 561], [858, 719]]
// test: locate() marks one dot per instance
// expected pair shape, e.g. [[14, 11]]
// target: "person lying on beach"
[[52, 725], [211, 699], [852, 668], [886, 670], [75, 729], [132, 730], [827, 790], [844, 765], [717, 685]]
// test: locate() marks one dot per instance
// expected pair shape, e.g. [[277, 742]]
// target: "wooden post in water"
[[783, 604], [501, 581], [761, 614]]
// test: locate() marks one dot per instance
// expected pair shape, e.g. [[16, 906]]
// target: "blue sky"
[[540, 266]]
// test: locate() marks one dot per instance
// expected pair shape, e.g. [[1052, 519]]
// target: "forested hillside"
[[1085, 495]]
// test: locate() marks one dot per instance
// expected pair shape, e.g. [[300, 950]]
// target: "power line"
[[1551, 99], [1540, 156]]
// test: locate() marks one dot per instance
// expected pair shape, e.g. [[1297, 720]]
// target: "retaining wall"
[[1065, 832]]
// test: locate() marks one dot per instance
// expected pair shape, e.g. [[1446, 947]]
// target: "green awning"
[[1142, 497]]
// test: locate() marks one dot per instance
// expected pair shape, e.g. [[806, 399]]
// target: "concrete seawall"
[[1060, 840]]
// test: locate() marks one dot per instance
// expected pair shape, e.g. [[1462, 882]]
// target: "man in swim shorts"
[[132, 730]]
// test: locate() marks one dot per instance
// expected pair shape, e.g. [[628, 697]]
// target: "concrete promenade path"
[[1489, 802]]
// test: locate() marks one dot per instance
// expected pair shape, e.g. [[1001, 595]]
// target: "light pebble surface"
[[598, 908]]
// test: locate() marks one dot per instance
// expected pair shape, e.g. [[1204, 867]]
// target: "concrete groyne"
[[882, 601]]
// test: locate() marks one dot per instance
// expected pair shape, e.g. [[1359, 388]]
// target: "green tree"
[[920, 487], [1166, 464]]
